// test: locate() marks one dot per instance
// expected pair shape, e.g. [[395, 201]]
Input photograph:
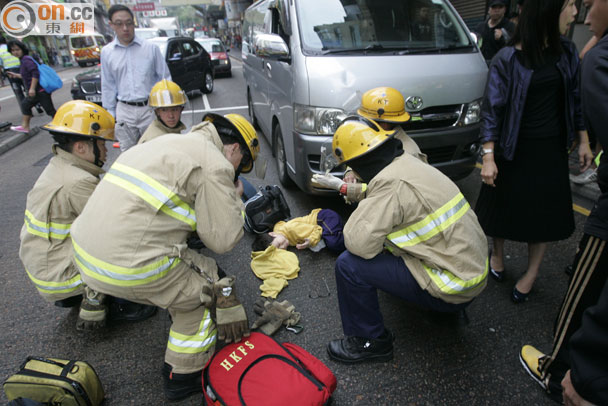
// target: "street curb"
[[17, 139], [232, 53], [590, 191]]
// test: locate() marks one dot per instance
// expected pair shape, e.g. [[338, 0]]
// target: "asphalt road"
[[438, 360]]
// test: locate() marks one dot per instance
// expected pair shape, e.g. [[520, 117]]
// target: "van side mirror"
[[476, 40], [271, 46]]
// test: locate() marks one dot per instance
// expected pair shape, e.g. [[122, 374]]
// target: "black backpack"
[[265, 209]]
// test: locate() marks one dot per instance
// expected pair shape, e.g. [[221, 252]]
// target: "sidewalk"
[[10, 139]]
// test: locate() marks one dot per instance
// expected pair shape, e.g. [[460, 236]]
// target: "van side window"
[[276, 27], [256, 21]]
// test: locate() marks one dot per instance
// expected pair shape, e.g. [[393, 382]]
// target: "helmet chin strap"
[[160, 119], [97, 153], [237, 172]]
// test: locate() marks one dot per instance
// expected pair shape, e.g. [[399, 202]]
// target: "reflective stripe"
[[46, 230], [448, 283], [56, 287], [118, 275], [364, 187], [432, 224], [8, 60], [201, 341], [153, 192]]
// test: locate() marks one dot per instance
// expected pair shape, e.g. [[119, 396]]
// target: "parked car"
[[147, 33], [87, 86], [189, 64], [300, 71], [218, 53]]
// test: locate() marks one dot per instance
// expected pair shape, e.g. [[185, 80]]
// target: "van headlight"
[[473, 114], [317, 120]]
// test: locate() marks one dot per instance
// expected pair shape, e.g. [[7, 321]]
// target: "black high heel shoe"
[[517, 296], [497, 276]]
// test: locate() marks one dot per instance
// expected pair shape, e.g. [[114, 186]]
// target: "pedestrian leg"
[[590, 275], [536, 252]]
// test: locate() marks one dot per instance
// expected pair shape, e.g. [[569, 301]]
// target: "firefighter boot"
[[93, 311], [71, 301], [180, 386], [122, 309], [358, 349]]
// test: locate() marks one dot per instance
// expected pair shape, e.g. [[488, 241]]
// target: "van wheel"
[[281, 157], [254, 120], [207, 83], [82, 64]]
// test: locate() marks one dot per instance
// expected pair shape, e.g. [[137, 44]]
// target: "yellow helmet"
[[83, 118], [167, 94], [384, 104], [239, 124], [357, 136]]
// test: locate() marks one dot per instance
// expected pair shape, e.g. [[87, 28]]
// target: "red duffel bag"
[[259, 371]]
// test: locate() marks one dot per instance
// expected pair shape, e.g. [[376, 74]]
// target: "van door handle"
[[268, 66]]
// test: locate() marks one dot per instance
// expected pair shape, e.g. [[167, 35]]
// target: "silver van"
[[306, 60]]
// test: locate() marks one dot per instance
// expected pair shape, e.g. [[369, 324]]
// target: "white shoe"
[[589, 176]]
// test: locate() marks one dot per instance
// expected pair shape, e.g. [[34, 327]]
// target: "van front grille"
[[434, 117], [440, 154]]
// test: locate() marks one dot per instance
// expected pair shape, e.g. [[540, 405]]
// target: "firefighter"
[[386, 106], [80, 130], [413, 235], [131, 239], [168, 101]]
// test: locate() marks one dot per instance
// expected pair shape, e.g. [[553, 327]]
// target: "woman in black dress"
[[530, 115]]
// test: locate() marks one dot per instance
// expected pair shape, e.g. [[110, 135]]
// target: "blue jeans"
[[248, 189], [358, 279]]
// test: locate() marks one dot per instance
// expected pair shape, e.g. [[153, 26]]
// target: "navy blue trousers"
[[359, 279]]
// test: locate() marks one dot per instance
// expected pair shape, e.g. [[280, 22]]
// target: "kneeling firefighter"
[[168, 101], [131, 239], [413, 235], [80, 130]]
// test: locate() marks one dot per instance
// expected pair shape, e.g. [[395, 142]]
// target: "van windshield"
[[82, 42], [404, 26]]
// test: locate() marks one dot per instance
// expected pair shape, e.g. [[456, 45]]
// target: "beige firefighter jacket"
[[356, 191], [57, 198], [134, 229], [417, 213], [157, 128]]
